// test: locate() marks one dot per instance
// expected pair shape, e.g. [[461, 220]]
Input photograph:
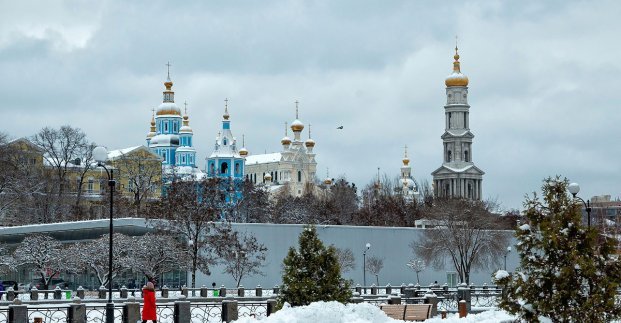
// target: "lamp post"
[[364, 267], [506, 254], [100, 154], [574, 188]]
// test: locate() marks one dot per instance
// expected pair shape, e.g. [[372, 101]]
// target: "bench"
[[417, 312], [394, 311], [410, 312]]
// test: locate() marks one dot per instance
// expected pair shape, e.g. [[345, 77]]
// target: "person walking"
[[148, 310]]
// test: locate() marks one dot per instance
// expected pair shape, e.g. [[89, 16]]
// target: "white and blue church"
[[170, 136]]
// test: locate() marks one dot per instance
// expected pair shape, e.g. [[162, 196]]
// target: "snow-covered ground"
[[362, 313]]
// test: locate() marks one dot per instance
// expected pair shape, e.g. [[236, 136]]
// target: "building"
[[227, 159], [458, 176], [170, 137], [293, 169], [406, 185]]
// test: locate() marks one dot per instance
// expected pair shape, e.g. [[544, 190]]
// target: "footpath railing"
[[208, 305], [199, 305]]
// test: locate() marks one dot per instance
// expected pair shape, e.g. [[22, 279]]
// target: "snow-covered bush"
[[567, 272]]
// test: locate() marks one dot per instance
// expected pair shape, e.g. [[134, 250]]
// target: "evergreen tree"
[[313, 273], [567, 271]]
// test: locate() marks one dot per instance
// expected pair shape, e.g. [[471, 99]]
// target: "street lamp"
[[100, 154], [506, 254], [364, 267], [574, 188]]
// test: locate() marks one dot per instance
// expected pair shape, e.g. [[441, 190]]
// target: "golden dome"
[[406, 161], [297, 126], [327, 181], [285, 141], [309, 143], [168, 108], [243, 152], [456, 78], [267, 177]]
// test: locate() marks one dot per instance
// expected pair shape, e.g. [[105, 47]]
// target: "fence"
[[219, 304]]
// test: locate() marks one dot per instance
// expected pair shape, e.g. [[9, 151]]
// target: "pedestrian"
[[148, 309]]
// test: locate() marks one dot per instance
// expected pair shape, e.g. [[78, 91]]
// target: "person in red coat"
[[148, 310]]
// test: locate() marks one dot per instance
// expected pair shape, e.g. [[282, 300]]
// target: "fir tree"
[[567, 271], [313, 273]]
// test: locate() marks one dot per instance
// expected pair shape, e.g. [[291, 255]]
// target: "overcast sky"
[[544, 80]]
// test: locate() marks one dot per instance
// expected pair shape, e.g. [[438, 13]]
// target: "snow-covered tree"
[[567, 272], [374, 266], [417, 265], [93, 256], [192, 210], [155, 254], [45, 256], [312, 273], [242, 255], [465, 234], [346, 259]]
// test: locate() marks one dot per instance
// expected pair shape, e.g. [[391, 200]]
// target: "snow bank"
[[361, 313]]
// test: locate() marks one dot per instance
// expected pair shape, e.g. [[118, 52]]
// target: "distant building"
[[406, 185], [293, 169], [171, 137], [227, 159], [458, 176]]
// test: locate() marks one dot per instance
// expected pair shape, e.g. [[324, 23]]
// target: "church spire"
[[406, 160]]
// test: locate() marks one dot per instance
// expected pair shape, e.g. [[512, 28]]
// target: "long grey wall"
[[391, 244]]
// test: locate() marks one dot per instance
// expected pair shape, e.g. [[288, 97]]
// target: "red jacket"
[[148, 310]]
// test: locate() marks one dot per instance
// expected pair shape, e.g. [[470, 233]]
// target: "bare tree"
[[154, 255], [144, 175], [254, 206], [191, 210], [62, 149], [417, 265], [465, 234], [45, 256], [242, 255], [93, 256], [374, 266], [346, 259]]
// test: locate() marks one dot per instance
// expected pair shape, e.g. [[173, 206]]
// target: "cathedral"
[[170, 137], [293, 169], [458, 176]]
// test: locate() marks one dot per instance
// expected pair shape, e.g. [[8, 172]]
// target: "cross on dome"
[[168, 65]]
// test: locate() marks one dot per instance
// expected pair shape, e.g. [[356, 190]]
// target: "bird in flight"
[[339, 127]]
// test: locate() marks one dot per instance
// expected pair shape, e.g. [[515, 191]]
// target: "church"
[[170, 137], [293, 169], [458, 176]]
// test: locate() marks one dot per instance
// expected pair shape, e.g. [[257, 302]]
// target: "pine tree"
[[313, 273], [567, 271]]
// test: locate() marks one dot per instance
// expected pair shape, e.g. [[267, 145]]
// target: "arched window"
[[449, 156], [469, 190], [466, 156], [224, 168], [224, 141], [299, 176], [212, 169], [237, 168]]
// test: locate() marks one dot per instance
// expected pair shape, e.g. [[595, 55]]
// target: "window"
[[183, 159], [449, 156], [236, 168], [450, 125], [102, 185], [299, 176], [165, 126], [90, 185], [224, 141], [224, 168], [466, 157]]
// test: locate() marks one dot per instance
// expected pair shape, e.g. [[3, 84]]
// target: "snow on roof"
[[263, 158], [114, 154], [459, 170]]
